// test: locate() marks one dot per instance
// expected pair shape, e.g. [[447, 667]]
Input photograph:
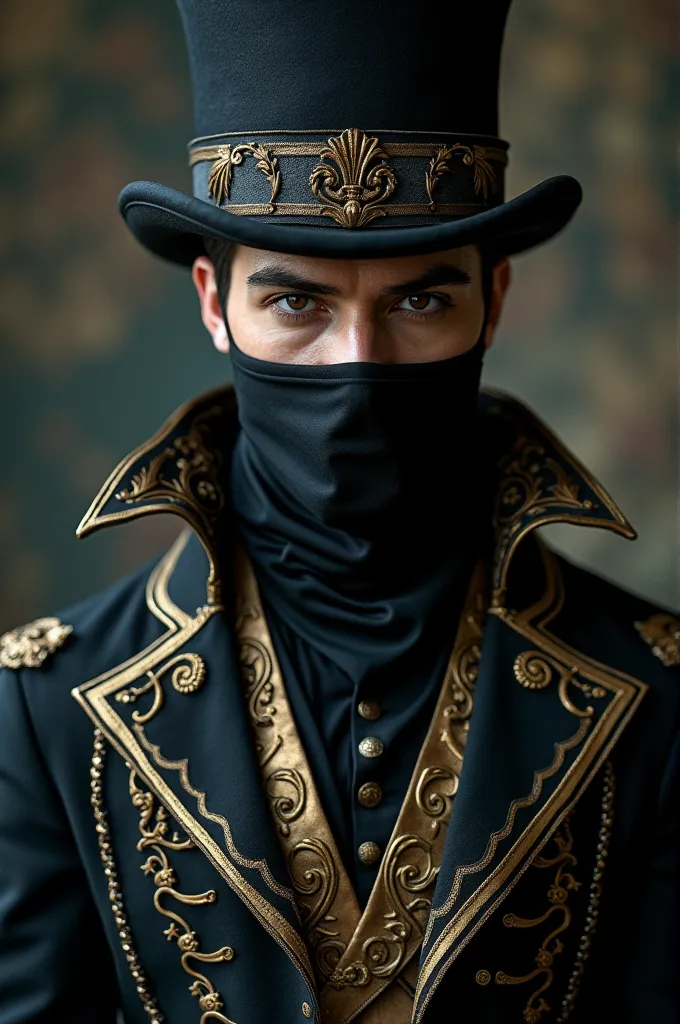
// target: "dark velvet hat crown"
[[359, 128]]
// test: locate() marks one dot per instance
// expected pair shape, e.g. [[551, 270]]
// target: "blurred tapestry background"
[[100, 341]]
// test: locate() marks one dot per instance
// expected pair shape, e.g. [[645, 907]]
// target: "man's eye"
[[420, 303], [296, 304]]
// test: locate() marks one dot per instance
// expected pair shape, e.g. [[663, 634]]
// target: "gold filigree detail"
[[316, 878], [29, 646], [366, 185], [461, 678], [188, 676], [115, 892], [662, 633], [594, 894], [256, 672], [287, 805], [443, 163], [228, 157], [562, 885], [534, 670], [435, 790], [409, 873], [158, 865], [188, 470]]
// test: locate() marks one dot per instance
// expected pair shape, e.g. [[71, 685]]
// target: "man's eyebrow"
[[440, 273], [275, 276]]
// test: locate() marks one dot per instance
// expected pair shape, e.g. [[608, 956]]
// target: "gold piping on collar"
[[540, 482]]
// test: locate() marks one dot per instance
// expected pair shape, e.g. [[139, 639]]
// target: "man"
[[360, 746]]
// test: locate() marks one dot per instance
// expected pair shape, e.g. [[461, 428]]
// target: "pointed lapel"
[[546, 718], [177, 716]]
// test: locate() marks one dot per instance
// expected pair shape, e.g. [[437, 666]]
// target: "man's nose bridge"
[[361, 336]]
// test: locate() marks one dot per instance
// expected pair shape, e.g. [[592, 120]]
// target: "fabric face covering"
[[361, 448]]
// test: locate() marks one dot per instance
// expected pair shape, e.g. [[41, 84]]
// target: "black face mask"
[[363, 448]]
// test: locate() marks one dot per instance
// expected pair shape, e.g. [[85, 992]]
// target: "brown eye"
[[419, 302], [296, 303]]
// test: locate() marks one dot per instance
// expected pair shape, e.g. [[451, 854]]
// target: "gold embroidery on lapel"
[[540, 482], [131, 745], [534, 671], [323, 891], [115, 892], [358, 955], [165, 880], [627, 693], [662, 633], [188, 676], [551, 946], [594, 896]]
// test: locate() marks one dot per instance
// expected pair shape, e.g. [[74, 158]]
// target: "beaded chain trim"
[[595, 894], [115, 893]]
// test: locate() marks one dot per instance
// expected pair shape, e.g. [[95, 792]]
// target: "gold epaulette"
[[29, 646], [662, 632]]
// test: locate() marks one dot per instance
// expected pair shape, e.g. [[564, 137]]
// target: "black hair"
[[221, 255]]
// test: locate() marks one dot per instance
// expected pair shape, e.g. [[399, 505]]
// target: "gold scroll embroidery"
[[357, 956], [366, 185], [562, 885], [187, 473], [155, 839], [228, 157], [662, 633], [29, 646], [443, 163], [115, 892]]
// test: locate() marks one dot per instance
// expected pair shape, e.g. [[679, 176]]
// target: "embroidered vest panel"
[[357, 957]]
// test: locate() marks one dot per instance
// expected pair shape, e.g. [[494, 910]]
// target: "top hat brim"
[[172, 224]]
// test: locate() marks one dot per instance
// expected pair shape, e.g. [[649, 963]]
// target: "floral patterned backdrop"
[[100, 341]]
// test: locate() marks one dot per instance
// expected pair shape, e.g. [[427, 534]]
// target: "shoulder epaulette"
[[662, 632], [29, 646]]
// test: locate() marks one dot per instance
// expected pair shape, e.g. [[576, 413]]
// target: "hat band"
[[351, 178]]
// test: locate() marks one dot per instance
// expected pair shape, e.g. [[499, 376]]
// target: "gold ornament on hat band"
[[353, 179]]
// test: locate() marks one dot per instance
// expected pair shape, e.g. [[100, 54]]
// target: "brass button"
[[369, 709], [371, 746], [369, 853], [370, 794], [306, 1009]]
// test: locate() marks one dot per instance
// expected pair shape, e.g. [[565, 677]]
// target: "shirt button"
[[370, 794], [369, 853], [370, 710], [371, 746], [306, 1009]]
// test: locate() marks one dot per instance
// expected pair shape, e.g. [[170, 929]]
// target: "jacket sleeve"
[[651, 987], [54, 962]]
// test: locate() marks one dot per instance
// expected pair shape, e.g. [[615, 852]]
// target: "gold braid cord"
[[115, 893], [594, 896]]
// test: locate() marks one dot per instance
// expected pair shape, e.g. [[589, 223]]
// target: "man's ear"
[[502, 276], [203, 276]]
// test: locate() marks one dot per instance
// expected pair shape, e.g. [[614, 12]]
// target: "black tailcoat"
[[131, 743]]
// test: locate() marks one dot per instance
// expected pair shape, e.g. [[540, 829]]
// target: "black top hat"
[[349, 128]]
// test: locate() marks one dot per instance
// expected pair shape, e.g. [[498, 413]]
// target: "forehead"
[[343, 271]]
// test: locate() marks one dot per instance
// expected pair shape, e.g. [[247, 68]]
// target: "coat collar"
[[181, 470], [525, 675]]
